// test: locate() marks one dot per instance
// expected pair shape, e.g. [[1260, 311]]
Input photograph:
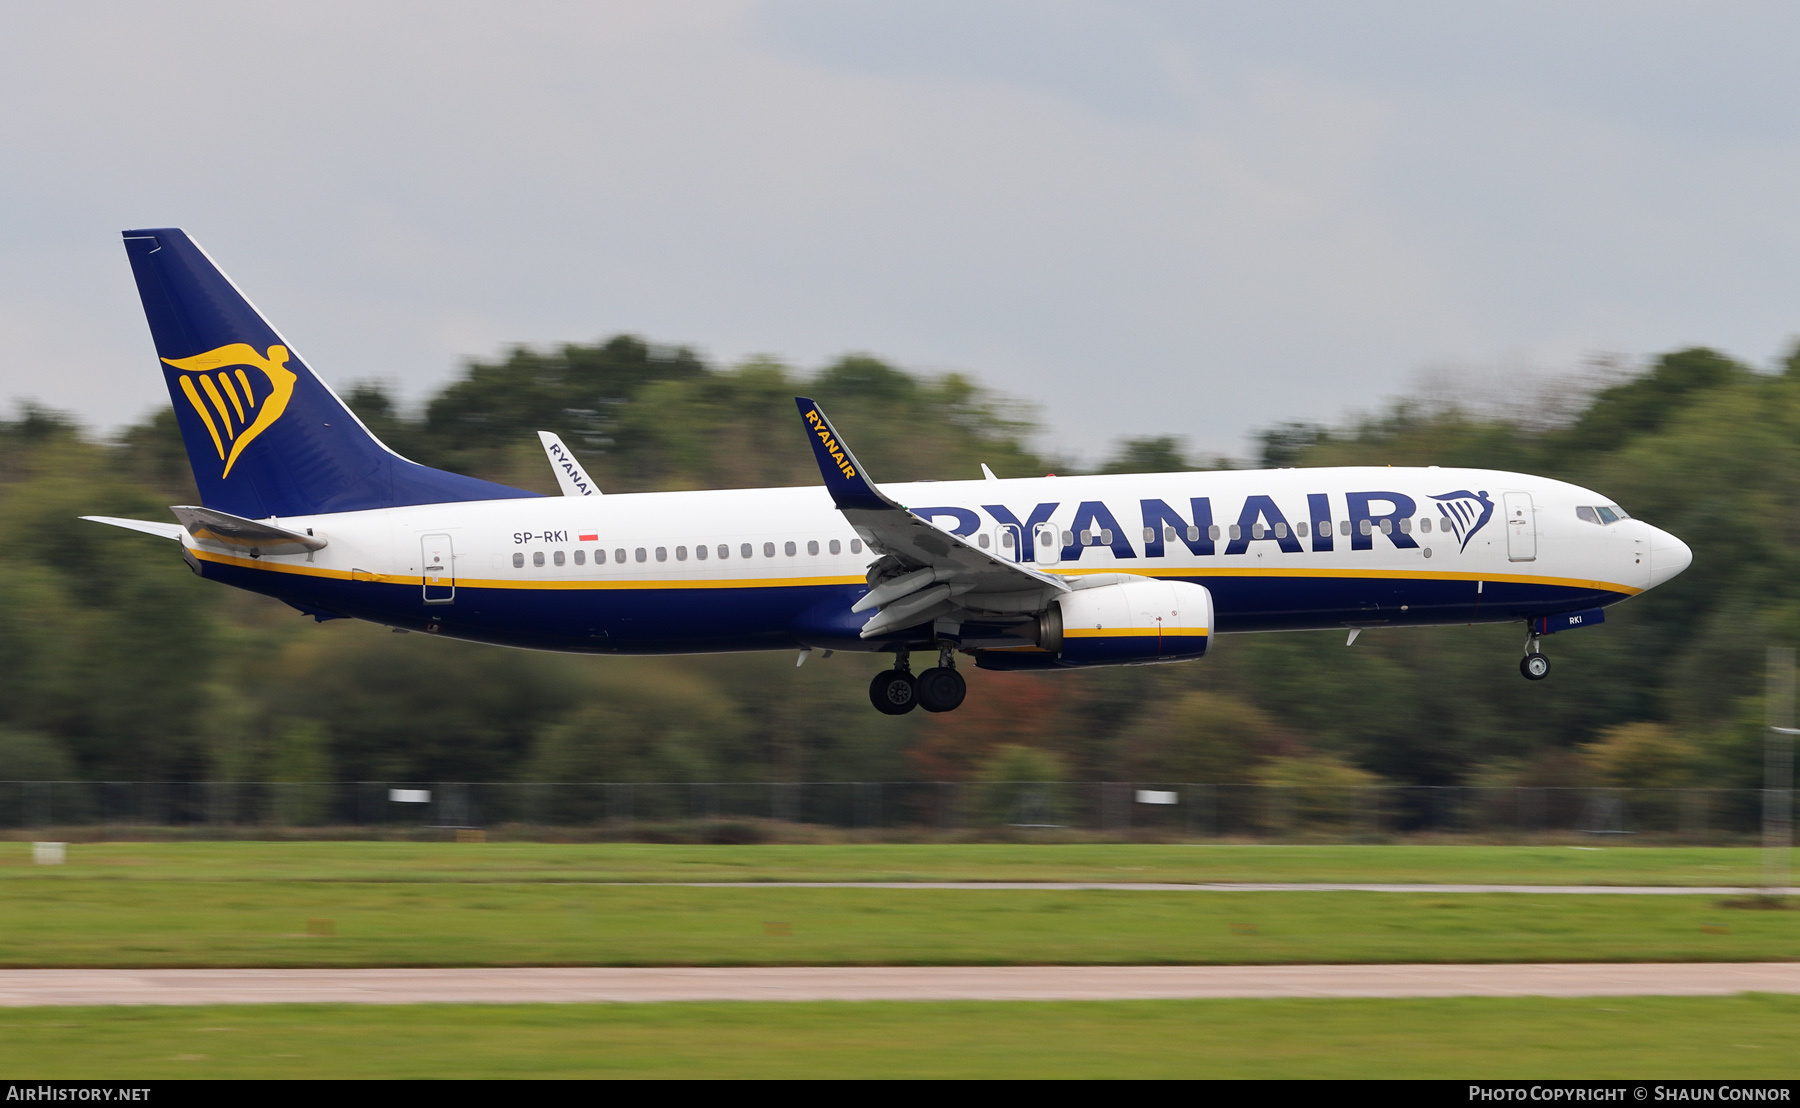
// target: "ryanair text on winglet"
[[823, 430]]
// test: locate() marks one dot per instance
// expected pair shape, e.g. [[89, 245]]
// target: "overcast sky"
[[1150, 218]]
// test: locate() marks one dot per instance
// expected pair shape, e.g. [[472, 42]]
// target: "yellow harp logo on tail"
[[234, 405]]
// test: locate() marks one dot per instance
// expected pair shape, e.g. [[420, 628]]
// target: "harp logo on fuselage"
[[237, 393]]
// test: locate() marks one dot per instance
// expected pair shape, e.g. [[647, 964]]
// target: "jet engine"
[[1130, 623]]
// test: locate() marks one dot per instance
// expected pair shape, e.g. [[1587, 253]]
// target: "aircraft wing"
[[926, 572], [573, 479]]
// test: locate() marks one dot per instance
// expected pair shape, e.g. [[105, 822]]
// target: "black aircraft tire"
[[894, 693], [941, 690], [1535, 667]]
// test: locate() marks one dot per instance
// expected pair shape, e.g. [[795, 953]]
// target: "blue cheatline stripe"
[[672, 618]]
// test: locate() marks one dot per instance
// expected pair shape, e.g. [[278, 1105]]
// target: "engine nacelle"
[[1132, 623]]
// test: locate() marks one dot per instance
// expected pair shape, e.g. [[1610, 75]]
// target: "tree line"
[[116, 663]]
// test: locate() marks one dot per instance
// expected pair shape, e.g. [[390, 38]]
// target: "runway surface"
[[21, 988], [1233, 887]]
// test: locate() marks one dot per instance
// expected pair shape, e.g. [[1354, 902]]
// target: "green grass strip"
[[1194, 863], [298, 923], [1639, 1038]]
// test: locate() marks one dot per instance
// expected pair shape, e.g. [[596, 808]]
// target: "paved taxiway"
[[19, 988]]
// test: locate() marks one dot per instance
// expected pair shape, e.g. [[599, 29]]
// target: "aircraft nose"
[[1668, 556]]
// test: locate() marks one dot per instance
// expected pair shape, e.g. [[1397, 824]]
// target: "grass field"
[[63, 922], [1196, 863], [1640, 1038]]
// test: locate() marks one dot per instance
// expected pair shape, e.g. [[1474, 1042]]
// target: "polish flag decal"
[[590, 538]]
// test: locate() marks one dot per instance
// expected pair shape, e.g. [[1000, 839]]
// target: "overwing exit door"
[[440, 569], [1521, 527]]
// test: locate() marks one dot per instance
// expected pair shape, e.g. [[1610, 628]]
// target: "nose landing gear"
[[1534, 665]]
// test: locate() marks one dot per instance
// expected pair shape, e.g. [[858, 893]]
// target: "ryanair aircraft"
[[300, 502]]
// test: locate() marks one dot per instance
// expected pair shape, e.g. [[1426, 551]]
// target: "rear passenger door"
[[439, 568]]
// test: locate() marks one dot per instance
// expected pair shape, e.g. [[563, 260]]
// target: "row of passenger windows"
[[700, 553], [1104, 537]]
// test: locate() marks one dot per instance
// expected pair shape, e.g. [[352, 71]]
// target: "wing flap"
[[920, 559]]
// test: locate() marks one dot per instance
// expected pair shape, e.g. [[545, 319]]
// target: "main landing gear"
[[896, 691], [1534, 665]]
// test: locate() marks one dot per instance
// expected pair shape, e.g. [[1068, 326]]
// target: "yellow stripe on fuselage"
[[1142, 632], [307, 570], [1380, 574]]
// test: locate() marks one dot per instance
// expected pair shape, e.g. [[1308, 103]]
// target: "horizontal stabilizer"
[[147, 526], [209, 525]]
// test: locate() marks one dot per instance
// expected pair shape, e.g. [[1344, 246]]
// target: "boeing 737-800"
[[299, 501]]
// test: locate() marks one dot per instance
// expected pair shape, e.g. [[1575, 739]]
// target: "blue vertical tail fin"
[[264, 435]]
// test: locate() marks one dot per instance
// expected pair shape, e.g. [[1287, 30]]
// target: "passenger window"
[[1087, 538], [1149, 534], [700, 552], [724, 551], [1281, 530], [1068, 538], [1006, 540], [1387, 526], [812, 546], [1324, 527], [1425, 525], [642, 554], [1236, 531], [581, 557], [519, 561], [600, 557], [1193, 534], [1213, 532], [1364, 527], [681, 553], [1405, 526], [1300, 528], [788, 549], [619, 555], [662, 553], [856, 546], [1256, 530], [838, 547], [1344, 526], [558, 557], [745, 551], [1607, 515], [981, 540], [768, 550], [1106, 537], [1588, 514], [537, 558], [1168, 534]]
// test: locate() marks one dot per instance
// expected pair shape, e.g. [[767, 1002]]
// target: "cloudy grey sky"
[[1147, 218]]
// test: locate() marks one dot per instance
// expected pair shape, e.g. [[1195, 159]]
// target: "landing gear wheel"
[[941, 689], [1535, 667], [894, 692]]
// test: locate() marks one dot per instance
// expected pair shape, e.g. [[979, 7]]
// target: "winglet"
[[569, 474], [849, 485]]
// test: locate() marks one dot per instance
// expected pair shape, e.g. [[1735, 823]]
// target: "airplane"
[[299, 501]]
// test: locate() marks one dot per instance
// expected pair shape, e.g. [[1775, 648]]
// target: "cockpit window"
[[1601, 514]]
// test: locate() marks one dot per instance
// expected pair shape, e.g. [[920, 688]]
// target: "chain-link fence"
[[1151, 809]]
